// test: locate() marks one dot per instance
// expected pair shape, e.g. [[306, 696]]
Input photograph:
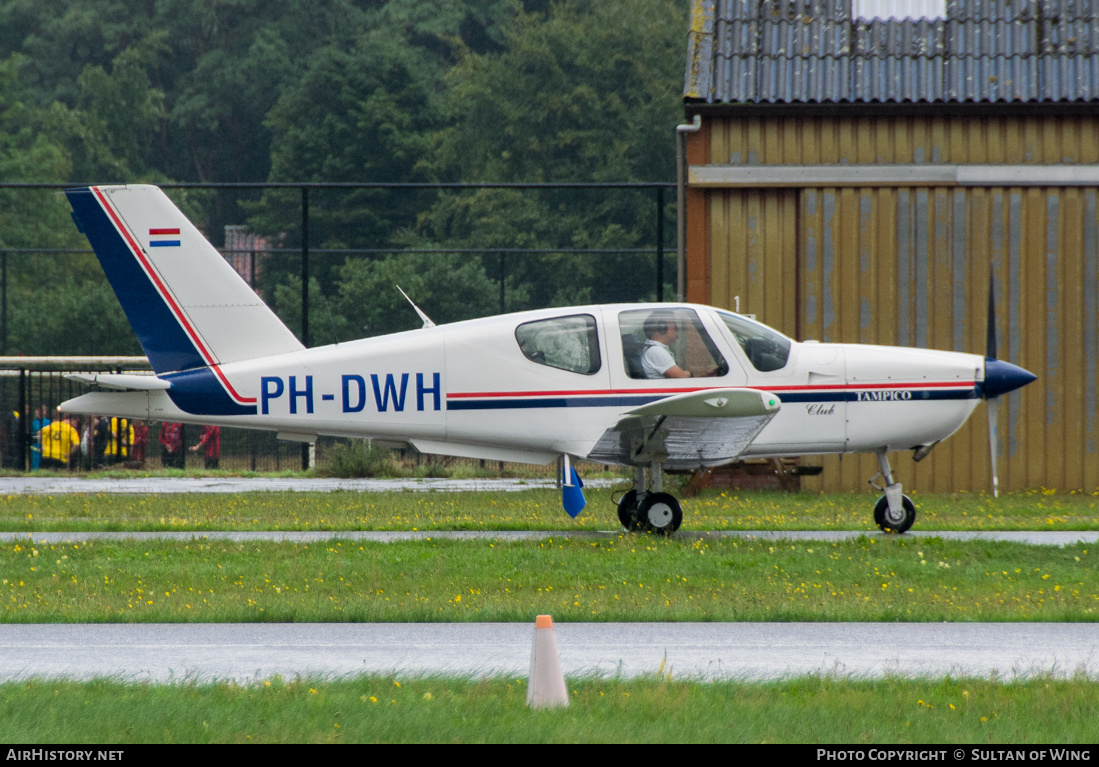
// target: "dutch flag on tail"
[[164, 238]]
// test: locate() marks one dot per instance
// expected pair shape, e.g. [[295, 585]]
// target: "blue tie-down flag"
[[572, 496]]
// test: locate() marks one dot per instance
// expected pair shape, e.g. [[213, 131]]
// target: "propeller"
[[993, 402], [1000, 378]]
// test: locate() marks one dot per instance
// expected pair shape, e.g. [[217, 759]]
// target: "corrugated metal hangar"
[[861, 166]]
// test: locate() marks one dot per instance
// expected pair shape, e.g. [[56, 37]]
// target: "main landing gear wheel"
[[659, 513], [627, 511], [895, 523]]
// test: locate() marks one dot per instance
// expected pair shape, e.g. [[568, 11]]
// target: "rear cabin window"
[[568, 343]]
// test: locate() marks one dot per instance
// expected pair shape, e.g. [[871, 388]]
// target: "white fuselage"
[[467, 389]]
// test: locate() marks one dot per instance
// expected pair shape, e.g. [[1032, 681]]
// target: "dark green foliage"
[[580, 93], [107, 91]]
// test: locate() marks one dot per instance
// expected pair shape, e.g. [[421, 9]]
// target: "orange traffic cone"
[[546, 684]]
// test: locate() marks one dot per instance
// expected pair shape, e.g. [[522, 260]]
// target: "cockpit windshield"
[[765, 348]]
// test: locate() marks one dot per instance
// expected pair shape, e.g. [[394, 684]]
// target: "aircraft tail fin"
[[188, 306]]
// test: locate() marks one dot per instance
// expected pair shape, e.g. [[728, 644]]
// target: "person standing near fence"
[[211, 438], [40, 422], [60, 442], [100, 436], [141, 442], [87, 443], [171, 442], [13, 440], [120, 440]]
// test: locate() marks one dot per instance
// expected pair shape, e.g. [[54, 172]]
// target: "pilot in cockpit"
[[657, 360]]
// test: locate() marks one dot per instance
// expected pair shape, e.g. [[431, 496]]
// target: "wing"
[[688, 431]]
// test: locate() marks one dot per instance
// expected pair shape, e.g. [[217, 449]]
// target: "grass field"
[[625, 578], [528, 510], [655, 710]]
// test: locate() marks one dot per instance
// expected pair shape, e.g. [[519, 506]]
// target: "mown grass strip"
[[655, 710], [527, 510], [626, 578]]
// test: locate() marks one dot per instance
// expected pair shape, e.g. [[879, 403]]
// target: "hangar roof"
[[892, 51]]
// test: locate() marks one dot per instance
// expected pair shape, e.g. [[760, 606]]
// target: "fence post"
[[660, 244], [305, 266], [4, 303], [305, 295], [24, 422]]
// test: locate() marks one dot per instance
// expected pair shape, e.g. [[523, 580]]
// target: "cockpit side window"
[[569, 343], [766, 349], [668, 343]]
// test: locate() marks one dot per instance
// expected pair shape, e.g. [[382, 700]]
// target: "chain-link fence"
[[35, 436], [591, 242]]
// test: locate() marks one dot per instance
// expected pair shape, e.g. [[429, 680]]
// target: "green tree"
[[582, 92], [363, 114], [448, 287], [111, 131], [58, 301]]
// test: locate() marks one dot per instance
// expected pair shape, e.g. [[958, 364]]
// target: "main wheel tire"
[[659, 513], [893, 523], [627, 511]]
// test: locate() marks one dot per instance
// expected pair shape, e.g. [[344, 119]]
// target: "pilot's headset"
[[656, 323]]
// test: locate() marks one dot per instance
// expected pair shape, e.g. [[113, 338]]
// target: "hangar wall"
[[901, 257]]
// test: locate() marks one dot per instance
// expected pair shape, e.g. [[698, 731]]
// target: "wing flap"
[[688, 431]]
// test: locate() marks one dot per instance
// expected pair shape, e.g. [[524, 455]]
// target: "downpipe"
[[681, 132]]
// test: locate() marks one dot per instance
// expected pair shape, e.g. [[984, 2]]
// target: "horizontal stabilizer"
[[125, 404], [121, 381]]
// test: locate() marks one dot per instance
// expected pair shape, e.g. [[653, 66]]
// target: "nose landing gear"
[[894, 512]]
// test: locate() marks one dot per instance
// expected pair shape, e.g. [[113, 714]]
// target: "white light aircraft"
[[652, 386]]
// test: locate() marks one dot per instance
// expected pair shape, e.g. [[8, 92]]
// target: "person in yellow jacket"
[[118, 444], [59, 441]]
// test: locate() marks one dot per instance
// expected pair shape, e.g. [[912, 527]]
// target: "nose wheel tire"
[[895, 523], [627, 512], [659, 513]]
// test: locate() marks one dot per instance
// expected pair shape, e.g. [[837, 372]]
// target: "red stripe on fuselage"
[[687, 390], [139, 254]]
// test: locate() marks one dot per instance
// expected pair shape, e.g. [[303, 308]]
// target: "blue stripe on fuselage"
[[199, 392], [163, 338], [636, 400]]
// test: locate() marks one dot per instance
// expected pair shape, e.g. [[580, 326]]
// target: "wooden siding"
[[910, 266]]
